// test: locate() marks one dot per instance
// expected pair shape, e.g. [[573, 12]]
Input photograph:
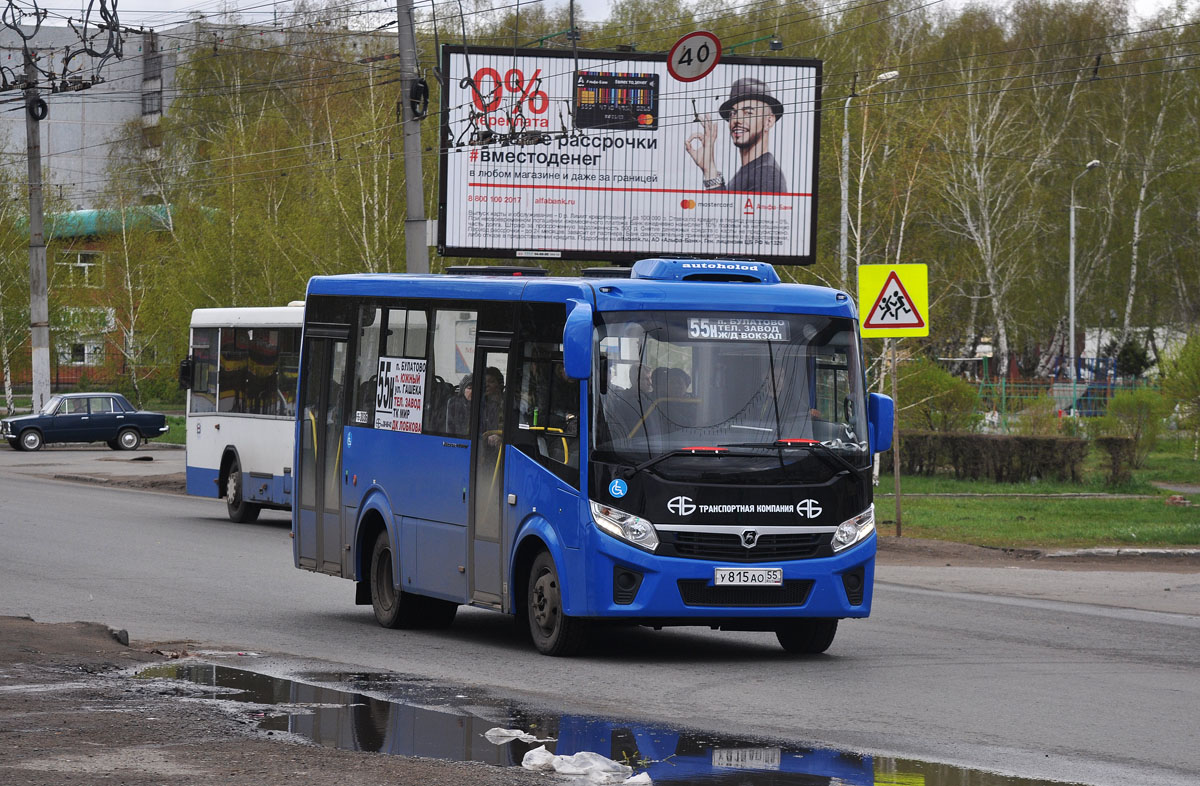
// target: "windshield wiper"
[[695, 451], [816, 446]]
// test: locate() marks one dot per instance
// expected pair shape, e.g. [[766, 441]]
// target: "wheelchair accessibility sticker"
[[618, 488]]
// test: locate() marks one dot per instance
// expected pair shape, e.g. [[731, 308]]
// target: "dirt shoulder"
[[919, 552], [69, 713]]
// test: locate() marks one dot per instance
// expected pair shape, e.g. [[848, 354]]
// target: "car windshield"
[[51, 405], [756, 383]]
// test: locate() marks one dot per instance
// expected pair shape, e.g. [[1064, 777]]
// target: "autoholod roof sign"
[[608, 157]]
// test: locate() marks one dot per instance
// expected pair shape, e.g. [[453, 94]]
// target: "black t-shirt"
[[762, 176]]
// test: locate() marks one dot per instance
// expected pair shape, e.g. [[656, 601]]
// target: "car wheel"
[[14, 443], [807, 637], [552, 631], [240, 511], [31, 439], [128, 439]]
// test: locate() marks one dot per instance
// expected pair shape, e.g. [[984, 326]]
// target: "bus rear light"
[[625, 526]]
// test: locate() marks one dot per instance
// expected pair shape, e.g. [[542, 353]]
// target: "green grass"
[[1046, 521], [998, 518], [176, 434]]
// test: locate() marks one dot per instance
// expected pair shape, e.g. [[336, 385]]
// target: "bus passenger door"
[[487, 473], [319, 533]]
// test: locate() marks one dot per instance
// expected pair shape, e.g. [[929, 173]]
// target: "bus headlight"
[[853, 530], [626, 526]]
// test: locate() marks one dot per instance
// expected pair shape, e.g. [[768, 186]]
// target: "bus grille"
[[729, 548], [699, 592]]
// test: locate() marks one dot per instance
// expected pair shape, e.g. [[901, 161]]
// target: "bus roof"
[[659, 284], [249, 317]]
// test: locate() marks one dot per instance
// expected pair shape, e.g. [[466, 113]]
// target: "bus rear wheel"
[[553, 631], [240, 510], [807, 637], [396, 609]]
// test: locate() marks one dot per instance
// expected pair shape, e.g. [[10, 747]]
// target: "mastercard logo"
[[687, 204], [646, 120]]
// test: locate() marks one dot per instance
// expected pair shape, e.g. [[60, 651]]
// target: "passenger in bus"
[[671, 382], [458, 408], [493, 405]]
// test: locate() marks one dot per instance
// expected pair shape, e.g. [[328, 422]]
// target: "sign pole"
[[896, 439]]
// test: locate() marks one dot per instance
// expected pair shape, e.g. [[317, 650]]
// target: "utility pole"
[[416, 247], [39, 309]]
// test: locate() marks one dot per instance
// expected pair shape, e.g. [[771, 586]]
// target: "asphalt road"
[[1096, 694]]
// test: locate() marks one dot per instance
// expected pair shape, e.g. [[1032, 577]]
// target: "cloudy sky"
[[164, 13]]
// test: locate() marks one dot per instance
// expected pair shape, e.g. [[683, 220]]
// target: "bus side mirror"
[[577, 341], [187, 368], [881, 414]]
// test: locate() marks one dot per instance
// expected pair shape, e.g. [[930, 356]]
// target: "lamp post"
[[886, 76], [1071, 283]]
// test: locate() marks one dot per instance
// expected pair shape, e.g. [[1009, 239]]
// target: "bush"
[[1181, 382], [933, 399], [1039, 418], [1137, 414], [1003, 458], [1120, 452]]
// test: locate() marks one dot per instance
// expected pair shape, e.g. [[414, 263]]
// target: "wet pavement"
[[389, 714]]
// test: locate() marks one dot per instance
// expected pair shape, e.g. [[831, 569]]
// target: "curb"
[[1122, 552]]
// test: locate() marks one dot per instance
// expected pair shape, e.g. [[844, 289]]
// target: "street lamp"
[[1071, 283], [886, 76]]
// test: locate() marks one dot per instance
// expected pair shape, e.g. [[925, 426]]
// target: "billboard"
[[605, 156]]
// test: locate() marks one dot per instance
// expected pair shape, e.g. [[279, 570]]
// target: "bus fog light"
[[625, 526], [854, 530]]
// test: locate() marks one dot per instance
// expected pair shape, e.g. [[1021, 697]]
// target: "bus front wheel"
[[553, 632], [807, 637], [240, 510]]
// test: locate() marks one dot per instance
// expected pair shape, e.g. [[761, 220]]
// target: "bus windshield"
[[756, 383]]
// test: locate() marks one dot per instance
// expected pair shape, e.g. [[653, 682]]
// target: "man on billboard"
[[751, 112]]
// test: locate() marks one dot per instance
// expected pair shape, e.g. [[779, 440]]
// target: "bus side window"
[[204, 377], [547, 402], [448, 385], [366, 367]]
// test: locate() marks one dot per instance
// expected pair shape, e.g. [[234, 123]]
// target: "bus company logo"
[[681, 506], [808, 509], [618, 488], [749, 538]]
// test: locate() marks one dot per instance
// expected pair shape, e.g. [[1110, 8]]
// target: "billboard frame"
[[446, 145]]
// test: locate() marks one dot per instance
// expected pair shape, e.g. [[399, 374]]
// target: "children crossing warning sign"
[[893, 300]]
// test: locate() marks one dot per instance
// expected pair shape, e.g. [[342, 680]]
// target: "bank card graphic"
[[616, 101]]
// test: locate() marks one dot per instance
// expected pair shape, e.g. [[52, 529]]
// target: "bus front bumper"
[[625, 582]]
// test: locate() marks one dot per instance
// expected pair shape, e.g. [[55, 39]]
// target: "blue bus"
[[690, 444]]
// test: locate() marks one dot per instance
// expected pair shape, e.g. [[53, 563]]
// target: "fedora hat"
[[749, 88]]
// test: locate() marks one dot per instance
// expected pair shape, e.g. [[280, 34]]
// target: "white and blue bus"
[[241, 406], [688, 445]]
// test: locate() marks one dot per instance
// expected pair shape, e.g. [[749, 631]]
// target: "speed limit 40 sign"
[[694, 56]]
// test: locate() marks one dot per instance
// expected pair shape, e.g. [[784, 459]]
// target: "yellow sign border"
[[871, 281]]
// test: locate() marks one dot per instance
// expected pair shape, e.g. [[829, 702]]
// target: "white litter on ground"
[[585, 765], [499, 736]]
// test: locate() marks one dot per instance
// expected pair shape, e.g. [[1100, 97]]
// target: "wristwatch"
[[715, 182]]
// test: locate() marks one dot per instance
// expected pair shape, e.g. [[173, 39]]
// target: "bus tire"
[[807, 637], [392, 607], [553, 632], [240, 511]]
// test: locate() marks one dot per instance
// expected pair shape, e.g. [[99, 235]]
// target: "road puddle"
[[389, 714]]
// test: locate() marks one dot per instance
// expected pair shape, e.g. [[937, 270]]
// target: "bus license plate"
[[749, 577]]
